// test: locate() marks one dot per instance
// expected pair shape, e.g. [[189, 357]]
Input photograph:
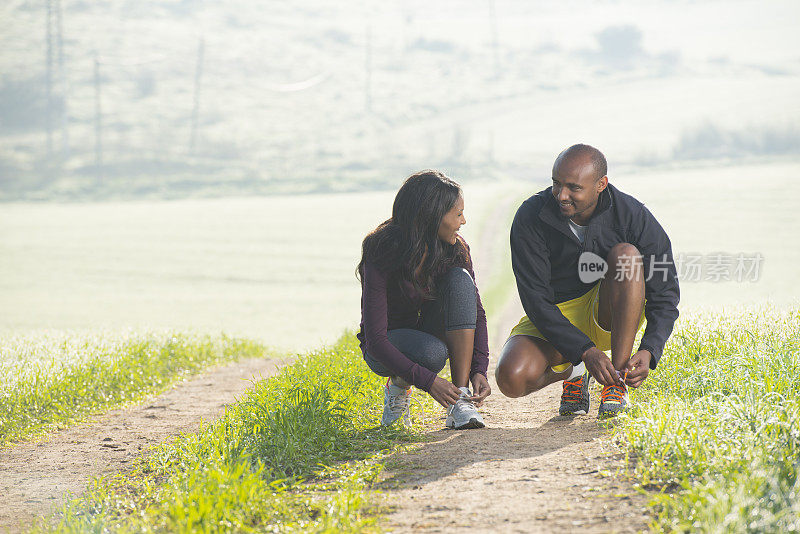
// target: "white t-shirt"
[[577, 229]]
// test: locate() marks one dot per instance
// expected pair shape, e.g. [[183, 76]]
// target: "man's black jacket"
[[544, 255]]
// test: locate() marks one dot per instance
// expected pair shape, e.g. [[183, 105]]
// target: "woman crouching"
[[420, 306]]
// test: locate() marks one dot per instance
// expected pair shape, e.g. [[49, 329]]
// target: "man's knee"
[[625, 258], [623, 250], [510, 378]]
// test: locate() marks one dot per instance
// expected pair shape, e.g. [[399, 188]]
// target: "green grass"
[[51, 381], [500, 288], [716, 430], [297, 453]]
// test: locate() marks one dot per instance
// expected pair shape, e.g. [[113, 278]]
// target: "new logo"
[[591, 267]]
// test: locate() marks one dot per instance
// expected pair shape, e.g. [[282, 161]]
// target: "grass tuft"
[[296, 454], [48, 382], [717, 428]]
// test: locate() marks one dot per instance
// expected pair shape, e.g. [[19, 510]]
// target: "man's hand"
[[638, 367], [444, 392], [480, 388], [600, 367]]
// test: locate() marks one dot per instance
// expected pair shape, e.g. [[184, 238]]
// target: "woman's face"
[[452, 221]]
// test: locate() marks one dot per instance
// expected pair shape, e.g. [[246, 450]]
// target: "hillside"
[[191, 98]]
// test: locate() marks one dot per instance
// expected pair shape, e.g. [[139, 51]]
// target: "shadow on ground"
[[448, 451]]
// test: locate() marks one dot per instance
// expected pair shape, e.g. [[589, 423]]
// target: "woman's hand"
[[444, 392], [480, 388]]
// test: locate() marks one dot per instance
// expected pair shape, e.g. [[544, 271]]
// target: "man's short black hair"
[[598, 159]]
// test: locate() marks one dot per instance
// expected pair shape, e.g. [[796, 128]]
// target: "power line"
[[298, 86]]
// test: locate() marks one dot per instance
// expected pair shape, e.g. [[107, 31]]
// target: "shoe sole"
[[576, 412], [473, 423], [403, 422], [606, 414]]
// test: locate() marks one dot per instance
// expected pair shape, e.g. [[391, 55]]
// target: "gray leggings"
[[454, 308]]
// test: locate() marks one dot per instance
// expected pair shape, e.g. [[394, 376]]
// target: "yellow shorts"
[[581, 312]]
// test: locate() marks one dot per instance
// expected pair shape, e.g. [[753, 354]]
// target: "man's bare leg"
[[621, 300], [526, 362], [525, 365]]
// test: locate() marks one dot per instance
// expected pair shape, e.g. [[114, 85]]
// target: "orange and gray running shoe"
[[575, 396], [613, 400]]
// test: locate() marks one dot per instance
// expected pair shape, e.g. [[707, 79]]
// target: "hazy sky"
[[345, 95]]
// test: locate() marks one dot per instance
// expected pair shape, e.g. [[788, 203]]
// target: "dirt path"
[[35, 477], [530, 470]]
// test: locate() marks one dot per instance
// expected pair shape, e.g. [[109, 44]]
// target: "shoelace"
[[462, 401], [613, 393], [400, 402], [572, 389]]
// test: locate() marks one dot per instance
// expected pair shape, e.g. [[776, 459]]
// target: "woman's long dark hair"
[[408, 244]]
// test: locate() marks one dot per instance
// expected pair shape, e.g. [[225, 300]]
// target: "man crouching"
[[591, 264]]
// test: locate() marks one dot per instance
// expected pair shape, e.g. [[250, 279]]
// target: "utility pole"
[[368, 69], [49, 80], [408, 19], [495, 39], [62, 72], [98, 123], [198, 73]]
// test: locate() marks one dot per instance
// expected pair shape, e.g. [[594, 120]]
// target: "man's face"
[[576, 188]]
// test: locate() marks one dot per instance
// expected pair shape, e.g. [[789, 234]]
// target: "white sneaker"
[[463, 413], [396, 404]]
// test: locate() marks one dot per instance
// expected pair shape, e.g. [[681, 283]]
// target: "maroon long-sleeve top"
[[388, 303]]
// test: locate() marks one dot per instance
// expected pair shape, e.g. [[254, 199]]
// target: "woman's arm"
[[480, 351], [480, 345], [480, 348], [375, 313]]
